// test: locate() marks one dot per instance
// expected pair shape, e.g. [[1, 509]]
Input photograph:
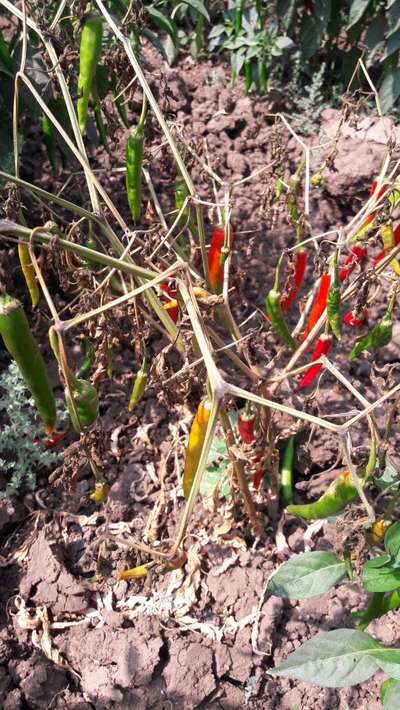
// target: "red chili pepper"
[[257, 478], [319, 304], [382, 253], [246, 428], [171, 292], [356, 256], [322, 347], [380, 199], [215, 267], [353, 319], [295, 285], [310, 6]]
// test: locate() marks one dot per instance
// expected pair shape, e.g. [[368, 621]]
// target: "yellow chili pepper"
[[133, 573], [195, 444], [377, 532], [100, 493], [29, 273], [387, 235]]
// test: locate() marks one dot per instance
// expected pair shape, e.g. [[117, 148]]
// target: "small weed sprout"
[[20, 456]]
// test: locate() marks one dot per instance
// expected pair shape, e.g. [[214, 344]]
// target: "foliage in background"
[[21, 452]]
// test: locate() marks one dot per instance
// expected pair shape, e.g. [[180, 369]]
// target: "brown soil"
[[200, 637]]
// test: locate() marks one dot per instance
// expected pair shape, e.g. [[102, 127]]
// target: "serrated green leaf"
[[334, 659], [391, 697], [307, 575], [357, 9]]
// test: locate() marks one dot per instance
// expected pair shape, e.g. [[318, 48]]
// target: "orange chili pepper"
[[195, 444]]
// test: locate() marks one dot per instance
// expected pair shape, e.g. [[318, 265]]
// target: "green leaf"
[[307, 575], [392, 541], [314, 28], [391, 46], [286, 12], [211, 478], [389, 90], [357, 9], [394, 18], [199, 7], [391, 696], [335, 659], [163, 22], [388, 659], [379, 576], [374, 35], [390, 477]]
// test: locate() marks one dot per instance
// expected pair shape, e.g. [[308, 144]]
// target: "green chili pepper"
[[22, 346], [28, 272], [340, 492], [275, 314], [119, 102], [262, 75], [99, 118], [86, 403], [248, 75], [88, 358], [139, 385], [287, 472], [49, 141], [380, 335], [333, 304], [181, 193], [134, 157], [89, 53]]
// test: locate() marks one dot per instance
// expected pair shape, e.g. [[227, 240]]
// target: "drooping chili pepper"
[[275, 314], [262, 75], [340, 492], [89, 356], [246, 422], [195, 444], [377, 532], [89, 53], [100, 492], [319, 304], [248, 75], [356, 256], [257, 478], [333, 304], [173, 312], [368, 222], [22, 346], [297, 282], [101, 129], [381, 254], [386, 233], [54, 439], [49, 140], [216, 269], [134, 158], [380, 335], [355, 320], [322, 347], [139, 385], [29, 273], [133, 573], [86, 403], [287, 473], [181, 194]]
